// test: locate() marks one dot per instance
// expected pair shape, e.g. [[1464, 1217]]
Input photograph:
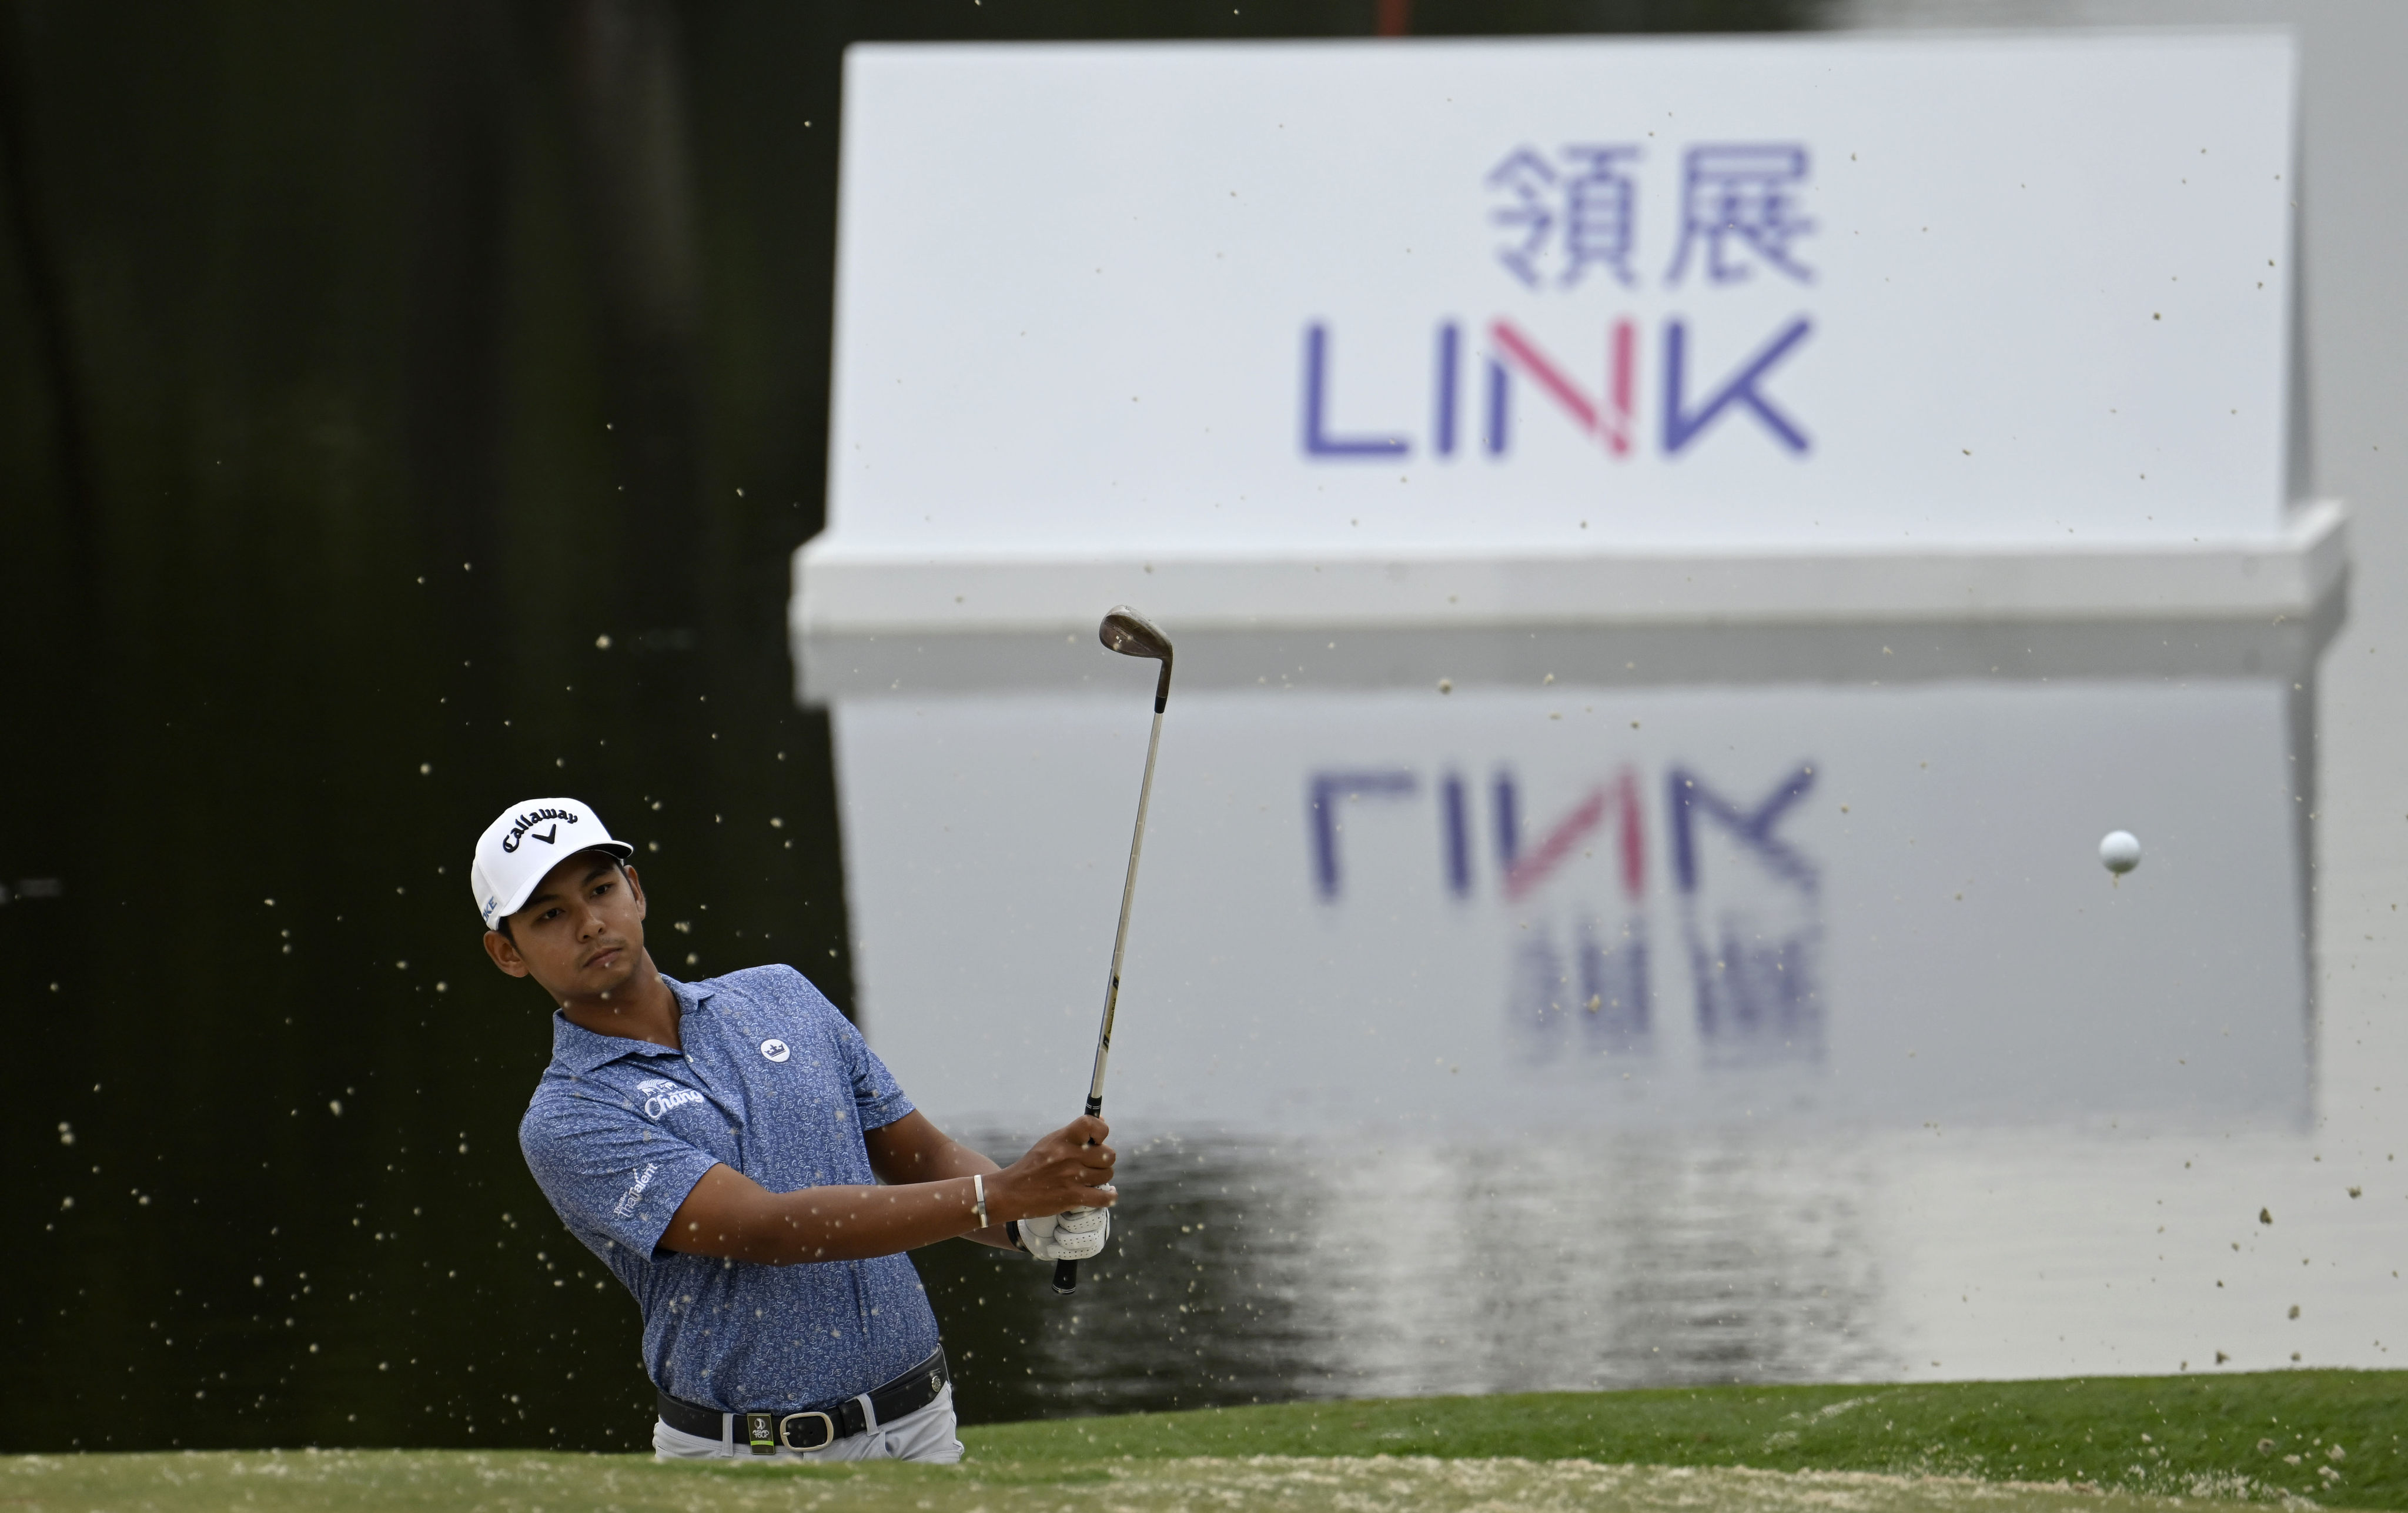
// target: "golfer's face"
[[583, 931]]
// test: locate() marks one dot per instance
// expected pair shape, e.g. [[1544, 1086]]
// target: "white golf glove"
[[1077, 1235]]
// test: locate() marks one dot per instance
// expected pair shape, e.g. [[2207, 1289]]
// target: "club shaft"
[[1065, 1273], [1120, 935]]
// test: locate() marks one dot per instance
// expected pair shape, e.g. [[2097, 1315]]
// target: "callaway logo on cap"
[[528, 841]]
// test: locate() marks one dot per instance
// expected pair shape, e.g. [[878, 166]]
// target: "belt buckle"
[[785, 1426]]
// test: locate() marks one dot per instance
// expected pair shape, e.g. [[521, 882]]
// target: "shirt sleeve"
[[606, 1169], [877, 1097], [875, 1091]]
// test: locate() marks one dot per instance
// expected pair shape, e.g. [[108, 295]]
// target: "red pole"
[[1396, 18]]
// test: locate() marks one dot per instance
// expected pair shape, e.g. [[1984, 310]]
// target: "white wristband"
[[978, 1184]]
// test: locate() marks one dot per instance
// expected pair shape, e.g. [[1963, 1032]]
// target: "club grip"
[[1066, 1277]]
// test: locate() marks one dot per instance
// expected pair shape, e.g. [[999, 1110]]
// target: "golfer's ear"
[[635, 886], [504, 953]]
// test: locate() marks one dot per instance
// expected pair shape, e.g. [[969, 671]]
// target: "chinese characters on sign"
[[1578, 213], [1578, 218]]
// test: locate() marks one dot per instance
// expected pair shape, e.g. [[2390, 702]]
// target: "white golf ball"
[[2120, 852]]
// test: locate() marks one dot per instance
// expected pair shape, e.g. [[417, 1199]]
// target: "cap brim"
[[509, 906]]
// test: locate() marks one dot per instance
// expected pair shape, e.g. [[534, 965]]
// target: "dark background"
[[361, 367]]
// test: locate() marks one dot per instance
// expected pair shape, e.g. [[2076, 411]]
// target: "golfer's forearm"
[[955, 1160], [911, 1149], [835, 1223]]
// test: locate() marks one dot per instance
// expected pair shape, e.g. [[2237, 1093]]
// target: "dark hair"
[[616, 861]]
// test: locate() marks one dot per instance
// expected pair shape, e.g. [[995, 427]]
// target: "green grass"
[[2203, 1432], [2061, 1446], [538, 1481]]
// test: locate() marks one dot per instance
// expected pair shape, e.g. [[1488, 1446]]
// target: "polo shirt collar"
[[580, 1050]]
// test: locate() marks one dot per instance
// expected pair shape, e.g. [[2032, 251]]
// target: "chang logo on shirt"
[[664, 1096]]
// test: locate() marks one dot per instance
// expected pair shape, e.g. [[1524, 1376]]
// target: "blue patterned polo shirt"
[[775, 1083]]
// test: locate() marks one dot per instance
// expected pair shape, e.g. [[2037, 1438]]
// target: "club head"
[[1125, 631]]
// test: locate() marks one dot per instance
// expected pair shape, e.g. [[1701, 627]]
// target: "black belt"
[[765, 1430]]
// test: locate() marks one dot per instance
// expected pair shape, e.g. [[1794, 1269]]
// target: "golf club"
[[1125, 632]]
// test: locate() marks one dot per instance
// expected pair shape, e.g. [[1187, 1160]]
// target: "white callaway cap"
[[528, 841]]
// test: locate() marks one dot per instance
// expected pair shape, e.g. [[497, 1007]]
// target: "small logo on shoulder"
[[775, 1050], [627, 1203]]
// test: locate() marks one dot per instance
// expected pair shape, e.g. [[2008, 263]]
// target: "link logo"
[[1579, 219], [1609, 415]]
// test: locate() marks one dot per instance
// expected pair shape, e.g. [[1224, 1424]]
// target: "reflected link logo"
[[1751, 927]]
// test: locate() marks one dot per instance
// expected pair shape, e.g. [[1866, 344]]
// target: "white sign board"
[[1322, 303]]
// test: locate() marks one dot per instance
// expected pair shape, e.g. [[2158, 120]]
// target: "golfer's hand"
[[1071, 1168], [1077, 1235]]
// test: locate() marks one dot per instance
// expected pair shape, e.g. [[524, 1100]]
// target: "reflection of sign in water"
[[1827, 901], [1753, 929], [1579, 974], [1593, 994]]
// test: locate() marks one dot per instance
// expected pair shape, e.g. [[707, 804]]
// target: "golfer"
[[749, 1168]]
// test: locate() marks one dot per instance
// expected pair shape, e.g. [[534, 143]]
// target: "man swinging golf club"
[[750, 1170]]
